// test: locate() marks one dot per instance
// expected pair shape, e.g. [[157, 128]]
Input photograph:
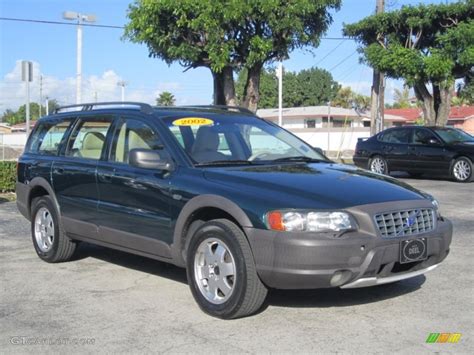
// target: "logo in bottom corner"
[[444, 338]]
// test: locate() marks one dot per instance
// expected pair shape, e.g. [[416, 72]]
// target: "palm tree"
[[165, 99], [402, 98]]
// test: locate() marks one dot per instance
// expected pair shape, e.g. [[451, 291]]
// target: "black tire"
[[61, 248], [381, 161], [248, 292], [461, 170]]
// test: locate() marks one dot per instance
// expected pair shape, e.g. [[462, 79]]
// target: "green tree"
[[228, 36], [310, 87], [165, 99], [347, 98], [401, 98], [426, 45]]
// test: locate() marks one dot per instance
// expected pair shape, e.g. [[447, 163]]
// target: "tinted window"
[[452, 135], [133, 134], [396, 136], [422, 136], [88, 139], [48, 136]]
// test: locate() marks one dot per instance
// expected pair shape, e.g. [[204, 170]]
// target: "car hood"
[[313, 185]]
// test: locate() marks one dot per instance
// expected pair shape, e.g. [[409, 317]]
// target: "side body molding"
[[195, 204]]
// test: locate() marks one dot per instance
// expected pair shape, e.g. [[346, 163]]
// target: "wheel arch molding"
[[189, 213], [39, 186]]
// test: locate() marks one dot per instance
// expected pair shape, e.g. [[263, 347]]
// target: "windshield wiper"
[[225, 162], [301, 158]]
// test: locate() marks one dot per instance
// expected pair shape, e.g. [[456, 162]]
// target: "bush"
[[7, 176]]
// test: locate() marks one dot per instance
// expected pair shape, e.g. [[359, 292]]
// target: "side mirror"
[[149, 159]]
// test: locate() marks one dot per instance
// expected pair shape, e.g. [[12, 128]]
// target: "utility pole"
[[27, 77], [280, 93], [122, 84], [41, 94], [378, 88], [47, 105], [329, 127]]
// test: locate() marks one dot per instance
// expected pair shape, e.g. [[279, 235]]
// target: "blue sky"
[[108, 59]]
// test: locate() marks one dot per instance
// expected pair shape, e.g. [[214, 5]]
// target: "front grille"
[[405, 223]]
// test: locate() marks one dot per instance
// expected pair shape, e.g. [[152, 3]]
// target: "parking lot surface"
[[109, 301]]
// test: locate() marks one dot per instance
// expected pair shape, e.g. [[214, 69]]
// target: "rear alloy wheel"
[[462, 170], [50, 242], [378, 165], [221, 271]]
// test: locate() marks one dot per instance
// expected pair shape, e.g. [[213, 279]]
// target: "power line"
[[330, 52], [342, 61], [116, 27], [58, 22]]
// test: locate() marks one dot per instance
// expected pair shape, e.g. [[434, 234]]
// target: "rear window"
[[396, 136], [47, 138]]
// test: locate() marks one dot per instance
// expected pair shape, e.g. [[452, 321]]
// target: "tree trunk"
[[224, 89], [442, 104], [252, 88], [427, 102]]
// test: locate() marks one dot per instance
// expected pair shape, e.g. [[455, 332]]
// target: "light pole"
[[280, 93], [122, 84], [80, 18]]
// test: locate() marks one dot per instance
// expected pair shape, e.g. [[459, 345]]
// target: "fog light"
[[340, 277]]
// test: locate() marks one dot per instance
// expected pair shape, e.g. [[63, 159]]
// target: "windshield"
[[237, 139], [452, 135]]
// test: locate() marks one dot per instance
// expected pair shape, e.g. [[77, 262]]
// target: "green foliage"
[[466, 90], [423, 44], [402, 98], [215, 33], [347, 98], [165, 99], [19, 116], [310, 87], [7, 176]]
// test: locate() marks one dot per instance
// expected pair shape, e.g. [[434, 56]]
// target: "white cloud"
[[95, 87]]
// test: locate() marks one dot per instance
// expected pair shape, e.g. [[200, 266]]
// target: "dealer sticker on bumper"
[[413, 250]]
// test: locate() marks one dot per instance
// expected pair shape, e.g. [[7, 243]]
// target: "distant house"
[[317, 117], [21, 127], [459, 116], [5, 128]]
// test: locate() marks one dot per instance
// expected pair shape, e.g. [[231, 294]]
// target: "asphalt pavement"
[[109, 301]]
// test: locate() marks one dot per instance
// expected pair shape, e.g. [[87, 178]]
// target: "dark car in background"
[[239, 202], [418, 150]]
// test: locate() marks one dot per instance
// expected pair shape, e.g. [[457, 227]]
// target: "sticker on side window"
[[193, 121]]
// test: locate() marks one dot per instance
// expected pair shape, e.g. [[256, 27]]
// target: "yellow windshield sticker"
[[193, 121]]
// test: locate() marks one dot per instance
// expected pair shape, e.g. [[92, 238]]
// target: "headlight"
[[309, 221]]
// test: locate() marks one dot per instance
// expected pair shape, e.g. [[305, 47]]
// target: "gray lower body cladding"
[[310, 260]]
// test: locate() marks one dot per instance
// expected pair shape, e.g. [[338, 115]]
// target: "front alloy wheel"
[[462, 170], [214, 270], [221, 271]]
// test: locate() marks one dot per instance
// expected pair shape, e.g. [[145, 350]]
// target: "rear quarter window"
[[47, 138]]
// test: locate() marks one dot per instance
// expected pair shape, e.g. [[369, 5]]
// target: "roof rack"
[[145, 108], [221, 107]]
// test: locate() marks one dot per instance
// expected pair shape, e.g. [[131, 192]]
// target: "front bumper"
[[356, 259]]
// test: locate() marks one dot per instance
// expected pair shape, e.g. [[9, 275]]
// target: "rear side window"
[[88, 139], [48, 136], [396, 136]]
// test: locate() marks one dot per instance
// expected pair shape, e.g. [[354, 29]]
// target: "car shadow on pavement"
[[131, 261], [335, 297], [321, 298]]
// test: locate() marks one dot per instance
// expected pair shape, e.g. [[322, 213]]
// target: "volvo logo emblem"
[[409, 221]]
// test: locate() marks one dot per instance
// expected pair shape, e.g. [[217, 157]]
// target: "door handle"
[[58, 171], [105, 177]]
